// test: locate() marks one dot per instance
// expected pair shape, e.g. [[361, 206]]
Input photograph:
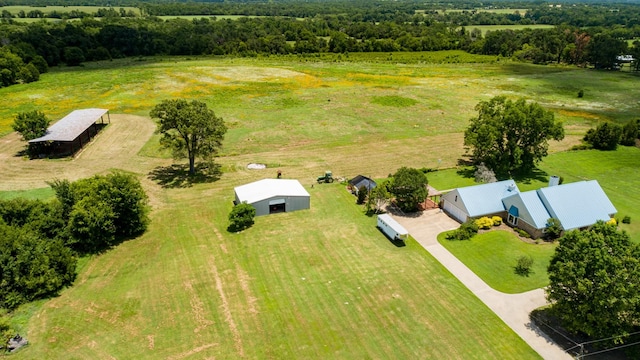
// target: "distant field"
[[14, 9], [495, 11], [485, 28], [218, 17]]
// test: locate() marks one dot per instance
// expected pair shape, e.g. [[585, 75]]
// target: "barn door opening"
[[277, 206]]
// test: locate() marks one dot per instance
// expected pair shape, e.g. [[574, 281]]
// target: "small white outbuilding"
[[270, 196]]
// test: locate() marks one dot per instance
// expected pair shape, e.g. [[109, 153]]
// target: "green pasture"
[[39, 194], [319, 283], [493, 256], [276, 101]]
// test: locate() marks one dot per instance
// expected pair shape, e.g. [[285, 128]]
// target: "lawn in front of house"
[[493, 256]]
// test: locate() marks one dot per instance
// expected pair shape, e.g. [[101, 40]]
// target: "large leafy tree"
[[594, 276], [409, 187], [603, 50], [31, 267], [31, 124], [190, 129], [102, 210], [511, 136]]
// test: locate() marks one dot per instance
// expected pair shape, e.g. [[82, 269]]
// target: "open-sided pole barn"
[[70, 133]]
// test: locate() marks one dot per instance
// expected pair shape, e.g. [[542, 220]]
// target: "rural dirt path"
[[513, 309]]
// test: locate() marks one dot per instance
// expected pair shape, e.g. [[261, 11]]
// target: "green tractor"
[[326, 178]]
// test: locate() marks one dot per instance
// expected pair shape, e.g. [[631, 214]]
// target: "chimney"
[[554, 181]]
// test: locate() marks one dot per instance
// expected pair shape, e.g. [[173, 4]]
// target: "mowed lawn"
[[493, 256], [314, 284]]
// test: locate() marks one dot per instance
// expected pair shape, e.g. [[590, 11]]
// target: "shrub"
[[580, 93], [484, 223], [522, 233], [626, 220], [241, 217], [605, 136], [523, 265], [465, 232], [553, 229], [612, 221], [497, 220]]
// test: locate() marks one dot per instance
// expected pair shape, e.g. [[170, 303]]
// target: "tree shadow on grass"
[[531, 175], [465, 167], [177, 175]]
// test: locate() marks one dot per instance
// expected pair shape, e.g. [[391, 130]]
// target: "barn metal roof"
[[577, 204], [487, 198], [268, 188], [71, 126]]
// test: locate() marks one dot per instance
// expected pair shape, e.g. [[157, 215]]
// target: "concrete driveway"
[[513, 309]]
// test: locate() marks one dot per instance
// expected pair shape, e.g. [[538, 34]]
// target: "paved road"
[[513, 309]]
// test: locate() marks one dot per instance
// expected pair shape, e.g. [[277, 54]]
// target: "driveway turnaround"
[[513, 309]]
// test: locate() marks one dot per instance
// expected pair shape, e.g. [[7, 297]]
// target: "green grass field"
[[40, 194], [493, 256], [320, 283]]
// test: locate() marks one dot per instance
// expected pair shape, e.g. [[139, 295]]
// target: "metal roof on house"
[[71, 126], [529, 208], [268, 188], [577, 204], [486, 199]]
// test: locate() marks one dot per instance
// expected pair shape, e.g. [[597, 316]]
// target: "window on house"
[[512, 220]]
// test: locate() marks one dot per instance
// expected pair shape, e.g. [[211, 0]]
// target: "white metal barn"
[[270, 196]]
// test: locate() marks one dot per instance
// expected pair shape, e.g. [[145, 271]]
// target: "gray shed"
[[270, 196]]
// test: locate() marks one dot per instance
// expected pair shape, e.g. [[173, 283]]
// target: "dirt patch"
[[191, 352], [226, 310], [152, 342], [248, 73], [197, 308]]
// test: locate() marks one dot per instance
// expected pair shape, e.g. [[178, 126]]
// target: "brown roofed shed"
[[70, 133]]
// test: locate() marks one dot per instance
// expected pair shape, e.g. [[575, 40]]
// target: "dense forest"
[[584, 35]]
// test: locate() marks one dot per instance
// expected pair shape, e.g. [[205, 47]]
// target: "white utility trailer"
[[392, 228]]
